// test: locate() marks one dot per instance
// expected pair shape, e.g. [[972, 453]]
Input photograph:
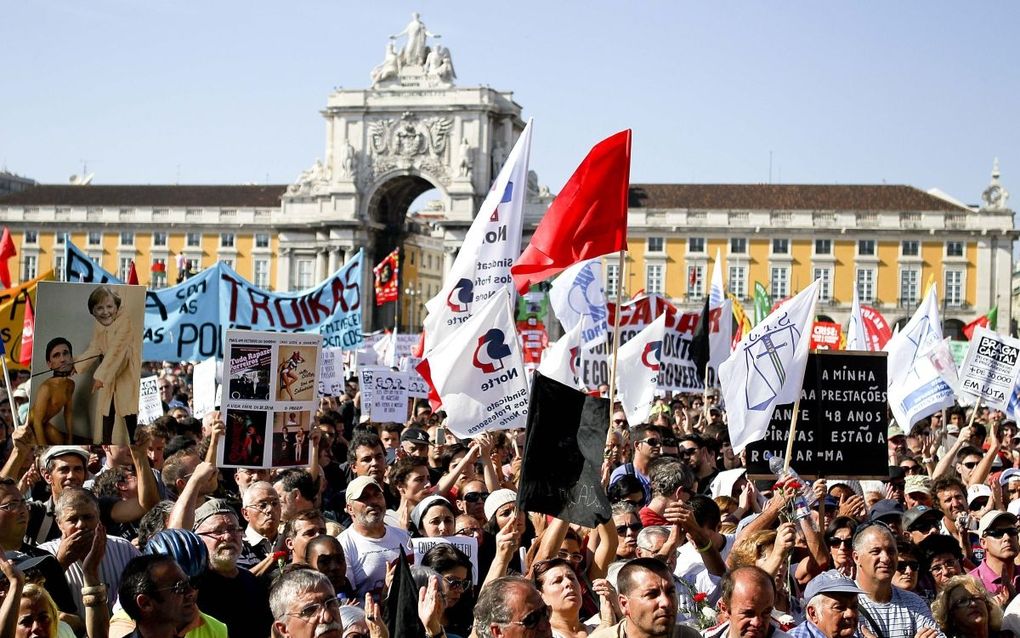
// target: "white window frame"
[[910, 292], [31, 266], [824, 274], [903, 246], [742, 250], [157, 234], [955, 295], [698, 289], [30, 238], [655, 279], [693, 250], [59, 265], [738, 283], [963, 249], [124, 269], [874, 248], [228, 240], [772, 246], [258, 240], [814, 247], [196, 236], [94, 234], [126, 234], [779, 285], [260, 279], [304, 273], [612, 279], [866, 295], [658, 247]]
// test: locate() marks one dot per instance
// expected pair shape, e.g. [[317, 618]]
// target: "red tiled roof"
[[157, 196], [786, 197]]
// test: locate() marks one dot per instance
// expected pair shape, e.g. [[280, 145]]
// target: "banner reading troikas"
[[271, 381], [186, 322]]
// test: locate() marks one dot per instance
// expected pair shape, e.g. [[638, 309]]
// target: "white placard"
[[331, 373], [150, 406], [466, 544], [204, 400], [388, 396], [417, 388], [990, 368]]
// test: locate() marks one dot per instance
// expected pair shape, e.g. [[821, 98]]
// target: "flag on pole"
[[7, 251], [387, 277], [132, 275], [493, 241], [740, 317], [856, 337], [559, 361], [477, 372], [767, 367], [988, 320], [916, 389], [637, 364], [762, 303], [27, 332], [578, 299], [587, 219]]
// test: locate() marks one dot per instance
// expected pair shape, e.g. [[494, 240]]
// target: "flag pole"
[[616, 345], [704, 397], [10, 393], [796, 404]]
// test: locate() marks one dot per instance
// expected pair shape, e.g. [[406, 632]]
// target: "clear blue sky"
[[922, 93]]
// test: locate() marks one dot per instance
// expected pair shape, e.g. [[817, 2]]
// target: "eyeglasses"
[[945, 566], [534, 618], [970, 465], [180, 588], [570, 557], [651, 442], [221, 533], [475, 497], [689, 451], [968, 601], [314, 610], [457, 583], [1000, 532], [264, 506], [636, 503], [836, 541], [911, 469], [618, 421], [904, 565], [623, 529], [14, 505], [923, 527], [468, 531]]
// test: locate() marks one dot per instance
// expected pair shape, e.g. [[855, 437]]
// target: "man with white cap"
[[63, 467], [997, 571], [831, 609], [369, 543], [1009, 480]]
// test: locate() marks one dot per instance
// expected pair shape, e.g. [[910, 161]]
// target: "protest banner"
[[989, 371], [13, 302], [842, 424], [826, 335], [272, 382], [90, 365], [204, 383], [466, 544], [331, 373], [150, 406], [387, 397], [186, 322]]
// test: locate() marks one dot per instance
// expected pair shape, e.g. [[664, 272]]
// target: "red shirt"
[[650, 517]]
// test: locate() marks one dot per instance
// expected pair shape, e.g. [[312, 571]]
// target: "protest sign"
[[186, 322], [466, 544], [13, 302], [331, 373], [388, 395], [990, 369], [825, 335], [204, 383], [842, 426], [150, 406], [417, 388], [90, 365], [271, 380], [366, 384]]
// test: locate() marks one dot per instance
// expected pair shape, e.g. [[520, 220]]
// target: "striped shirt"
[[118, 553], [902, 617]]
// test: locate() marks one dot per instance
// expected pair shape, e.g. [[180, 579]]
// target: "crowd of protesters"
[[153, 540]]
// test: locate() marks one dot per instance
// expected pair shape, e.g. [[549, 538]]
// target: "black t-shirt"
[[241, 603]]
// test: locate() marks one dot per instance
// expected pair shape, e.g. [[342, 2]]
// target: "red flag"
[[27, 332], [587, 219], [7, 251], [132, 277], [386, 278]]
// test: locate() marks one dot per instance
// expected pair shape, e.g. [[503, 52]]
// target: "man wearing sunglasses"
[[997, 571], [511, 607], [471, 499], [647, 447], [157, 594]]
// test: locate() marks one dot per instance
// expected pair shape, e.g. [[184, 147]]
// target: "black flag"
[[700, 354], [563, 453], [402, 603]]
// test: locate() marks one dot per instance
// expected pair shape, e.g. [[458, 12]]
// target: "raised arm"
[[148, 491], [182, 516]]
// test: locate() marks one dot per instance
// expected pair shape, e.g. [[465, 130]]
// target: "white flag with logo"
[[478, 372], [577, 298], [560, 360], [637, 370], [720, 313], [717, 292], [856, 338], [491, 245], [916, 389], [767, 367]]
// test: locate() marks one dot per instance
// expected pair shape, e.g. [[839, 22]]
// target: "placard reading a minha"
[[271, 381], [841, 429]]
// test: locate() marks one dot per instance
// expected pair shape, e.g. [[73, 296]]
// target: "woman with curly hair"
[[965, 610]]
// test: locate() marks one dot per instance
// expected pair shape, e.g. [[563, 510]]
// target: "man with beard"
[[748, 596], [304, 605], [226, 592], [887, 611], [997, 572], [700, 459], [951, 498], [365, 457], [369, 544], [325, 555], [831, 607], [157, 594]]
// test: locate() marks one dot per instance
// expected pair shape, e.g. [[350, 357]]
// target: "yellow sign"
[[12, 317]]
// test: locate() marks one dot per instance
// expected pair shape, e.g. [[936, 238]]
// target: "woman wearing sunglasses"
[[454, 567], [908, 565], [839, 537]]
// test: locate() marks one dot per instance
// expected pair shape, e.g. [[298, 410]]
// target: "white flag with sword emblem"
[[767, 368]]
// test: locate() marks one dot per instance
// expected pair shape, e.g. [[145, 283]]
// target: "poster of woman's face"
[[86, 363]]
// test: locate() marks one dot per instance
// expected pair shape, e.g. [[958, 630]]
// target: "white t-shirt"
[[367, 557]]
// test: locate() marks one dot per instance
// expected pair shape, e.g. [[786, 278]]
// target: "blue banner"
[[186, 322]]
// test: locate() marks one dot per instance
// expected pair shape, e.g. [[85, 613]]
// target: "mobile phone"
[[440, 435]]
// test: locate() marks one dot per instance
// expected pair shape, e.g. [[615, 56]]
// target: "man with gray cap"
[[369, 543], [831, 608]]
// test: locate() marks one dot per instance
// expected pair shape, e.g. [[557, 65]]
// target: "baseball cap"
[[993, 517], [918, 514], [830, 582], [211, 508], [896, 473], [22, 561], [917, 483], [357, 487], [976, 491], [1012, 474], [894, 430], [415, 435], [54, 451], [887, 507], [937, 544], [498, 499]]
